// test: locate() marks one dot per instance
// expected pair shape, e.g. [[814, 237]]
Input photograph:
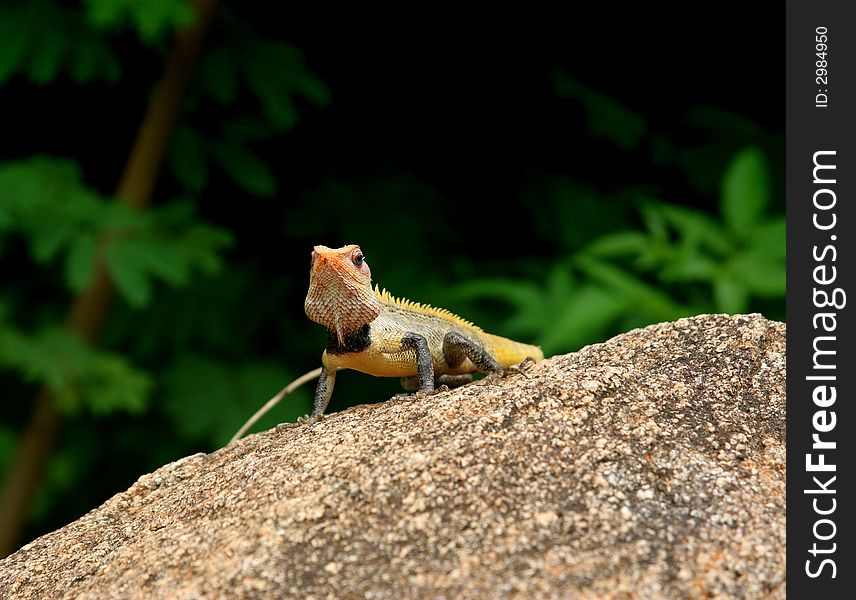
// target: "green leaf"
[[275, 73], [643, 296], [716, 136], [218, 72], [655, 222], [84, 62], [47, 57], [246, 168], [581, 318], [518, 294], [128, 274], [313, 88], [49, 241], [760, 275], [80, 263], [187, 158], [560, 316], [79, 377], [619, 244], [769, 238], [745, 190], [695, 227], [13, 48], [687, 264], [730, 295]]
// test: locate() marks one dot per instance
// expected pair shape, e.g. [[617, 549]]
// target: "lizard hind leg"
[[411, 384], [453, 381], [456, 348]]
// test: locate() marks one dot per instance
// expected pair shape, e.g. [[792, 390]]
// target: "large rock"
[[650, 466]]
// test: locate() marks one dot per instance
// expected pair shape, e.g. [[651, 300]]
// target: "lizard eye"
[[358, 259]]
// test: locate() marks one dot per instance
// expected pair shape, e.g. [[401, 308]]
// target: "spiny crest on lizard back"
[[384, 296]]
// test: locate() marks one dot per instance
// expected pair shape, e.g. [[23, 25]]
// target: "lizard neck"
[[356, 341]]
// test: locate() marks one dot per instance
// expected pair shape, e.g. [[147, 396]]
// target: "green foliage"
[[729, 260], [165, 244], [745, 192], [40, 38], [274, 74], [738, 257], [44, 200], [619, 280], [152, 19], [245, 167], [79, 376]]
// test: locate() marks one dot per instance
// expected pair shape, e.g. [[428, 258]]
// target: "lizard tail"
[[508, 352], [313, 374]]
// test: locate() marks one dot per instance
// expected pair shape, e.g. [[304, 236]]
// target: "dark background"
[[557, 179]]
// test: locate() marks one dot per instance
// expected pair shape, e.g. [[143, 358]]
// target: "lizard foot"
[[308, 419], [518, 369], [437, 390]]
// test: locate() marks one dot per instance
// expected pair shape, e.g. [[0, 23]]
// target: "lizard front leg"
[[323, 392], [424, 362]]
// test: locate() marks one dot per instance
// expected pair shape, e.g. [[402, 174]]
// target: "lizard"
[[372, 331]]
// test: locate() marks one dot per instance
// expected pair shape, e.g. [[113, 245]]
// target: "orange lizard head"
[[340, 295]]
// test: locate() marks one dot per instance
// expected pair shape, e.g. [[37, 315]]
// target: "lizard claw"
[[519, 368], [526, 362]]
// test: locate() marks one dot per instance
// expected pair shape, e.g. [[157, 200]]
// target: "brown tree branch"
[[89, 310]]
